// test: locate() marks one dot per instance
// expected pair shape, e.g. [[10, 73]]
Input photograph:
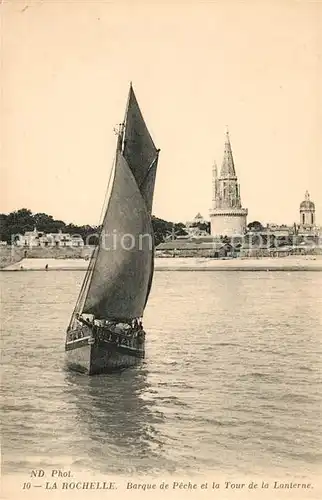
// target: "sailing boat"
[[105, 332]]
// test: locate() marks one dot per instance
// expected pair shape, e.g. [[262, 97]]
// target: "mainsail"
[[139, 150], [120, 275]]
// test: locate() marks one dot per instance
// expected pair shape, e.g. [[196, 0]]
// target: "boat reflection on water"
[[117, 425]]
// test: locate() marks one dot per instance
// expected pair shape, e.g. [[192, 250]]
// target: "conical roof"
[[228, 167]]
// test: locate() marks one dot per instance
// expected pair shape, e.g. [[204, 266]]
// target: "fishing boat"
[[105, 332]]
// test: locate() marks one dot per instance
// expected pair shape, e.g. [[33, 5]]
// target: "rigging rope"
[[90, 267]]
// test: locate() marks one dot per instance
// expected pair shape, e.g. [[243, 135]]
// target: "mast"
[[122, 143]]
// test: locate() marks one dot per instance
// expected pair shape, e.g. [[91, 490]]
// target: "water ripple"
[[231, 381]]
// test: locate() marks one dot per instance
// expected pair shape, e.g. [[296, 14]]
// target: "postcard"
[[161, 249]]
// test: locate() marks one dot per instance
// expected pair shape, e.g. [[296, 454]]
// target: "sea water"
[[230, 383]]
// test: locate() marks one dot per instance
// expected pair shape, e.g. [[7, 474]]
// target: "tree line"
[[20, 221]]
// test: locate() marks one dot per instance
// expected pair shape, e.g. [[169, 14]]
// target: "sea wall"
[[249, 253], [11, 254], [300, 263]]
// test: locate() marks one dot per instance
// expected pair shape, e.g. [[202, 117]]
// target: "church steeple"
[[228, 167]]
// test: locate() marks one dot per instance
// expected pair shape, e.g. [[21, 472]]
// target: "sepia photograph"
[[161, 249]]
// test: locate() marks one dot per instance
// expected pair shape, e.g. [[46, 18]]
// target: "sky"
[[196, 67]]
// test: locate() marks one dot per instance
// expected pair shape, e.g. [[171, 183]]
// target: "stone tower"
[[307, 212], [227, 215]]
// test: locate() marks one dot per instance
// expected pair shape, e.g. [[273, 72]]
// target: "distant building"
[[227, 215], [194, 247], [307, 213], [193, 227], [198, 219], [30, 239], [280, 230], [229, 236], [40, 239], [307, 224]]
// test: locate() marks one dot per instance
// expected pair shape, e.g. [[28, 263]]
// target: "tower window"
[[303, 218]]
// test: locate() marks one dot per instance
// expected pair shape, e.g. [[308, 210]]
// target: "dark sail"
[[119, 278], [122, 272], [139, 150]]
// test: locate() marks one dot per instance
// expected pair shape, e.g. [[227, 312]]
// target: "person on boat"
[[123, 341], [85, 321], [111, 325], [141, 336], [118, 328]]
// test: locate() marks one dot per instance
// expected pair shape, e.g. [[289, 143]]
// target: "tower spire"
[[214, 183], [228, 167]]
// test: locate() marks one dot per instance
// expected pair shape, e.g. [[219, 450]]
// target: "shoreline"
[[286, 264], [192, 269]]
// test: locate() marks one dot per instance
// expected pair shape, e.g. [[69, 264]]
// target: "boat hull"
[[100, 356]]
